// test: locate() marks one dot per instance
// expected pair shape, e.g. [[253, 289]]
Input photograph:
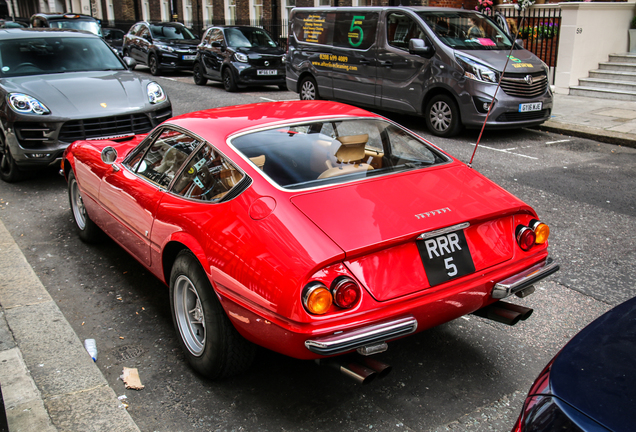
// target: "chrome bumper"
[[373, 334], [524, 279]]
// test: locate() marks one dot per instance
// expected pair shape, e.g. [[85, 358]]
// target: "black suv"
[[239, 56], [161, 46], [67, 21]]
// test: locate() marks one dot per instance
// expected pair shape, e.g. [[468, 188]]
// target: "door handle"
[[387, 63]]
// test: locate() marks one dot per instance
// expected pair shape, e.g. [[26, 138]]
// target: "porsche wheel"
[[308, 89], [442, 116], [88, 231], [228, 81], [9, 171], [199, 79], [209, 340], [153, 64]]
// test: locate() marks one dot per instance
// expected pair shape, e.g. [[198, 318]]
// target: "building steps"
[[614, 79]]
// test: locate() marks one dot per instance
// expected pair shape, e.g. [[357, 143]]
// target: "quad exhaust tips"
[[505, 313], [362, 370]]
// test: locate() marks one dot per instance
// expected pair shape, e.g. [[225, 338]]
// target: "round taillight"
[[346, 292], [541, 232], [525, 238], [317, 298]]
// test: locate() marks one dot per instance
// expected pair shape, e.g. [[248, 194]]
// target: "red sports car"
[[310, 228]]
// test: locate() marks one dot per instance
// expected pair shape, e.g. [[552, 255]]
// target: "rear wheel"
[[209, 340], [308, 89], [282, 87], [153, 64], [199, 79], [442, 116], [228, 81], [9, 171], [88, 231]]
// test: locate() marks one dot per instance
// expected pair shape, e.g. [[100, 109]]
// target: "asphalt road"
[[467, 375]]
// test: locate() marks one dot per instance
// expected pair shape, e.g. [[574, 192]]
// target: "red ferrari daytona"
[[310, 228]]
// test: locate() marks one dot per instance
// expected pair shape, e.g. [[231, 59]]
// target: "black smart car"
[[239, 56], [161, 46]]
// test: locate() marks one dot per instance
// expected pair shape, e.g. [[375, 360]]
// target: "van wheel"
[[442, 116], [309, 89], [199, 79]]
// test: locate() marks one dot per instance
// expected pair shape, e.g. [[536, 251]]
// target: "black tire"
[[442, 116], [209, 340], [228, 81], [9, 171], [199, 79], [153, 64], [282, 87], [309, 89], [87, 230]]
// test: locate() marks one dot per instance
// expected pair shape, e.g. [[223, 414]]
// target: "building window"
[[230, 12], [208, 13], [187, 13], [256, 12], [165, 11], [145, 11], [362, 3], [288, 6], [322, 3], [110, 12]]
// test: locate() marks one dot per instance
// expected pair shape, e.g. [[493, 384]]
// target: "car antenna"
[[523, 18]]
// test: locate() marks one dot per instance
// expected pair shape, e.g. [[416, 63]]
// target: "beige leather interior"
[[349, 157]]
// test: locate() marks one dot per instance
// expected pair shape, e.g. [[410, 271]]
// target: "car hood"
[[596, 373], [521, 61], [180, 43], [86, 94], [371, 214]]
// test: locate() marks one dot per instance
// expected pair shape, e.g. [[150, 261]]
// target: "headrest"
[[352, 148], [259, 161]]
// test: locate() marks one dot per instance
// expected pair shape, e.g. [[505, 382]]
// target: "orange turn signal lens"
[[542, 232], [317, 298]]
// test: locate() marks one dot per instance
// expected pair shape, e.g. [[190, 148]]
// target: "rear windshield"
[[86, 25], [35, 56], [171, 32], [466, 30], [307, 155]]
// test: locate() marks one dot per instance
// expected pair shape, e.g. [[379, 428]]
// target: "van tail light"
[[346, 292]]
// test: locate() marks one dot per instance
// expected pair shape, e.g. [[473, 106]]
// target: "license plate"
[[445, 257], [189, 57], [267, 72], [536, 106]]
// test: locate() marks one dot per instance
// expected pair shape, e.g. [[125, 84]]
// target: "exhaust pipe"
[[381, 368], [357, 372], [505, 313]]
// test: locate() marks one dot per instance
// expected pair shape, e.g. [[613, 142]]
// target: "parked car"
[[115, 38], [67, 21], [239, 56], [310, 228], [12, 24], [590, 385], [443, 64], [63, 85], [161, 46]]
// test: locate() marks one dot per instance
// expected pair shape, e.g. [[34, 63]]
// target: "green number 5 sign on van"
[[355, 26]]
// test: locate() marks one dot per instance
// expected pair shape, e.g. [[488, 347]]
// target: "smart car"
[[310, 228], [59, 86]]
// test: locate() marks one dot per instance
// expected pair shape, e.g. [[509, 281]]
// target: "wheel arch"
[[304, 75], [172, 249], [435, 91]]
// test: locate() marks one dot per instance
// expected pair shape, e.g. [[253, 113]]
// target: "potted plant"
[[632, 35]]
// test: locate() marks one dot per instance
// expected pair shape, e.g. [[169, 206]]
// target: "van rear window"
[[351, 29]]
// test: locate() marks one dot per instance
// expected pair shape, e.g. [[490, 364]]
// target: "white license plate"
[[189, 57], [267, 72], [536, 106]]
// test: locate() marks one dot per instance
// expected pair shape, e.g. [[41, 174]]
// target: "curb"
[[49, 381], [602, 135]]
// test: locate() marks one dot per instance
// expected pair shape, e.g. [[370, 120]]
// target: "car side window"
[[400, 29], [162, 160], [216, 36], [134, 29], [144, 31], [209, 176]]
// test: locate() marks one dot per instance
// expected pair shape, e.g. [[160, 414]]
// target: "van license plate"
[[267, 72], [445, 257], [189, 57], [537, 106]]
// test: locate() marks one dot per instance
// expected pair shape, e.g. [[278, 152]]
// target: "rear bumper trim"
[[524, 279], [350, 340]]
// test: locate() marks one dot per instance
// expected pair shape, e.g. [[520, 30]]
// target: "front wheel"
[[9, 171], [153, 64], [228, 81], [209, 340], [199, 79], [88, 231], [442, 116], [308, 89]]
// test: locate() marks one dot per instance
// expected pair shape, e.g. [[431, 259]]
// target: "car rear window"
[[321, 153], [35, 56]]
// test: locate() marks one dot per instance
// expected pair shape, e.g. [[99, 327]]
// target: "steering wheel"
[[26, 65]]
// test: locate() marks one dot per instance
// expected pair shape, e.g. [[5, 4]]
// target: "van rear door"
[[402, 76]]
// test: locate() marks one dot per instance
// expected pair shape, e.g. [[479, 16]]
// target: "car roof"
[[56, 16], [164, 24], [379, 8], [42, 32]]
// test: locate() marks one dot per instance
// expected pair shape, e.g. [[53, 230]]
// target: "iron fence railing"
[[539, 28]]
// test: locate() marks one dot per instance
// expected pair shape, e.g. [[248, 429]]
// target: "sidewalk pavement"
[[47, 378], [604, 120]]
